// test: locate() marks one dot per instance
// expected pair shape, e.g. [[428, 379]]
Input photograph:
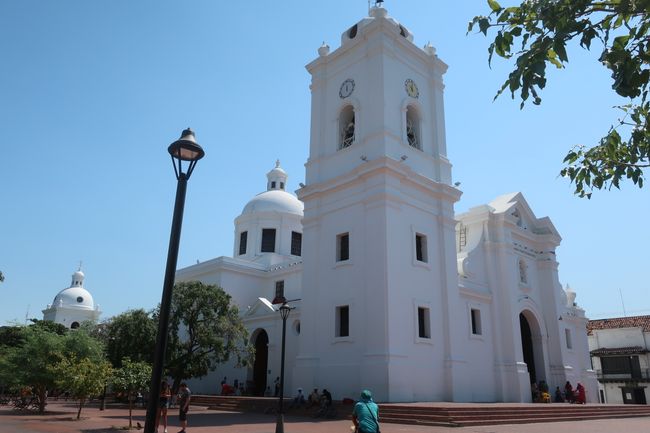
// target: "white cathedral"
[[392, 290]]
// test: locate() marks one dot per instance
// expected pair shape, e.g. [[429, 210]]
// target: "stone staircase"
[[442, 414], [490, 414]]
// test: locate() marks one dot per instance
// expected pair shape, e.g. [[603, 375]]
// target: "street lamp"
[[284, 313], [184, 150]]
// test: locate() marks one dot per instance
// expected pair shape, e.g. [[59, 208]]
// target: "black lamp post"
[[187, 150], [284, 313]]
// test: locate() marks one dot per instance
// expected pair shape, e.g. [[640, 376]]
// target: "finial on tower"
[[277, 163], [80, 263]]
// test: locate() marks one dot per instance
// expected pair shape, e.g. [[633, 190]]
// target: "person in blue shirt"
[[365, 415]]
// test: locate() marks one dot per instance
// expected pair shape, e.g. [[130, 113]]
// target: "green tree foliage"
[[49, 326], [30, 364], [130, 335], [537, 33], [11, 336], [31, 358], [83, 377], [2, 277], [79, 344], [204, 331], [131, 378]]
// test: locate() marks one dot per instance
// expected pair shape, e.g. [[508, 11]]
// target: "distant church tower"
[[73, 305], [380, 276]]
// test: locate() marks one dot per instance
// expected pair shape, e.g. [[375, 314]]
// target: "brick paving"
[[60, 419]]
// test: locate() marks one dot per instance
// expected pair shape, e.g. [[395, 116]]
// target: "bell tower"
[[379, 276]]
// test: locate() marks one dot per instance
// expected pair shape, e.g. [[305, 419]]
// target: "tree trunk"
[[41, 399], [81, 405], [130, 397]]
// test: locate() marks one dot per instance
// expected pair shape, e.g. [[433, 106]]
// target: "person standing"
[[163, 404], [184, 395], [365, 415], [276, 385]]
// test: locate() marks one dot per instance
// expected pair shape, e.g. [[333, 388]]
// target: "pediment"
[[261, 307]]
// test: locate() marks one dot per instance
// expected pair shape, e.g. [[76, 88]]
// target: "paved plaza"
[[60, 419]]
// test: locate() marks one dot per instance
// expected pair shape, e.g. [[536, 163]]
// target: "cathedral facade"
[[390, 289]]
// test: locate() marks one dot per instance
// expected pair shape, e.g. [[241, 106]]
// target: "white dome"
[[74, 297], [274, 201]]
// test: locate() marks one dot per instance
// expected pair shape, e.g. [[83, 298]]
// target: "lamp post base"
[[279, 424]]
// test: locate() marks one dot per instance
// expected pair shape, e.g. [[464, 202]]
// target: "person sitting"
[[326, 399], [314, 398], [298, 400], [325, 404]]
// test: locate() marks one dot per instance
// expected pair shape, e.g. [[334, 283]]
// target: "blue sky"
[[92, 93]]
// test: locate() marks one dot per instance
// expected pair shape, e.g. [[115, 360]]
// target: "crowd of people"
[[540, 393]]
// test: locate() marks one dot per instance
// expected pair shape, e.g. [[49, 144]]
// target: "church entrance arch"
[[260, 339], [531, 346]]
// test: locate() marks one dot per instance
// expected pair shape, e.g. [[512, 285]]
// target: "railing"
[[641, 375]]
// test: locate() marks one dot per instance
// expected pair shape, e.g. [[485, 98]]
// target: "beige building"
[[619, 354]]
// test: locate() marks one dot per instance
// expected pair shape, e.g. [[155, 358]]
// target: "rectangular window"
[[476, 322], [421, 248], [424, 329], [296, 244], [343, 321], [268, 240], [628, 366], [279, 289], [567, 336], [243, 238], [343, 247]]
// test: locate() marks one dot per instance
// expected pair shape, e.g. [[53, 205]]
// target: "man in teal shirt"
[[365, 415]]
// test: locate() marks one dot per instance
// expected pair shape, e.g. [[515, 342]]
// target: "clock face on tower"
[[346, 88], [411, 88]]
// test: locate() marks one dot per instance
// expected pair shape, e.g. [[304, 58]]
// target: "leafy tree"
[[11, 336], [35, 353], [78, 344], [537, 33], [30, 364], [205, 330], [82, 377], [2, 277], [49, 326], [132, 378], [130, 335]]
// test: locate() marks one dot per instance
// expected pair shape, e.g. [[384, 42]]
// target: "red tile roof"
[[619, 351], [619, 322]]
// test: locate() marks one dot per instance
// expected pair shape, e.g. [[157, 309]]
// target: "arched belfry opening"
[[347, 127], [260, 340], [413, 135], [531, 346]]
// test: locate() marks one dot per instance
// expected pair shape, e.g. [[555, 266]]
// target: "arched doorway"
[[260, 365], [531, 346], [527, 347]]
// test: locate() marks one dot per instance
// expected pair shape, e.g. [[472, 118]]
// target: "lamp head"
[[284, 311], [185, 149]]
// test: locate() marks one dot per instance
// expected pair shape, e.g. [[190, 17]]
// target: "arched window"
[[523, 278], [346, 127], [413, 128]]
